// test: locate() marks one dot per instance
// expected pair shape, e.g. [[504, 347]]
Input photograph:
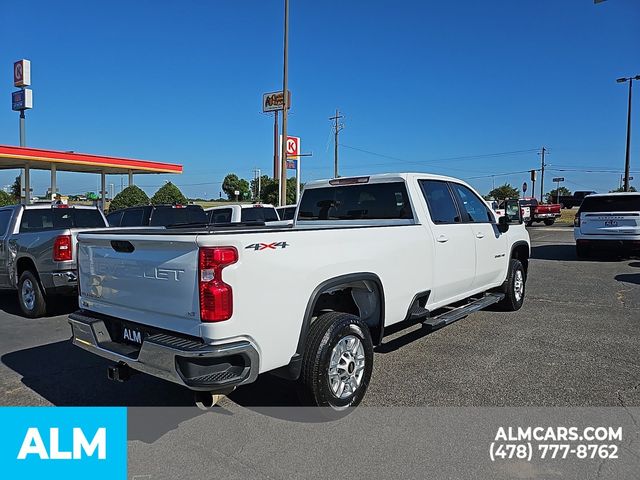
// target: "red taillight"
[[216, 297], [62, 250]]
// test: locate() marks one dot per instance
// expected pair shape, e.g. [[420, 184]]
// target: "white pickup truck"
[[205, 306]]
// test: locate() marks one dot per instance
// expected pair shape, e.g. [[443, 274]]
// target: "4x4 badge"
[[267, 246]]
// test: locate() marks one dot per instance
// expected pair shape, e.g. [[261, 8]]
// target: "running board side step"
[[461, 312]]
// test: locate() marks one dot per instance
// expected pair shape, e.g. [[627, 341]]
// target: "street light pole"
[[285, 105], [627, 153]]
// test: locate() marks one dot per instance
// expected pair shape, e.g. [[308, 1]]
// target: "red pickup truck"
[[541, 212]]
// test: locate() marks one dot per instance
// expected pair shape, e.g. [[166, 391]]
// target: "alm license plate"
[[610, 223], [133, 335]]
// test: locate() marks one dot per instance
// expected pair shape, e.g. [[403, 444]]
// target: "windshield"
[[259, 214], [613, 203], [164, 216]]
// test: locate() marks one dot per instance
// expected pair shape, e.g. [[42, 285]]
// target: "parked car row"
[[38, 243]]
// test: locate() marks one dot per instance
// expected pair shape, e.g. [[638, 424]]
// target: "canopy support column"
[[54, 186], [130, 178], [26, 185], [103, 190]]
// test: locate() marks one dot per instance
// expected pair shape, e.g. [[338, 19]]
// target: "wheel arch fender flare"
[[333, 284]]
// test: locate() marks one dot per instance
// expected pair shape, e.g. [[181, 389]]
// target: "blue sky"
[[434, 86]]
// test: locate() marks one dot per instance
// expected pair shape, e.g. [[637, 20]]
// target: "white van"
[[609, 221]]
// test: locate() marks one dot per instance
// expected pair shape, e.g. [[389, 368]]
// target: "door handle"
[[479, 235], [442, 238]]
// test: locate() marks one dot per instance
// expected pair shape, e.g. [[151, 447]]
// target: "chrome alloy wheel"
[[346, 367], [28, 294], [518, 285]]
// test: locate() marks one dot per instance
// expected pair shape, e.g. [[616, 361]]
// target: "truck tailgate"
[[148, 279]]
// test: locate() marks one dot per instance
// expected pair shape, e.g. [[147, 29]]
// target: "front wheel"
[[549, 222], [513, 287], [337, 361], [30, 295]]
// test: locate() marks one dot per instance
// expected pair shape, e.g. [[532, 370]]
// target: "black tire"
[[325, 333], [514, 296], [30, 295], [529, 223], [550, 222], [582, 251]]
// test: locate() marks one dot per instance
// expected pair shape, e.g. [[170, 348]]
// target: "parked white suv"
[[205, 306], [608, 221]]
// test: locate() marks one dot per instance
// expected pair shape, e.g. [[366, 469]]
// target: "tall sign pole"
[[542, 176], [274, 102], [276, 157], [282, 200], [22, 100]]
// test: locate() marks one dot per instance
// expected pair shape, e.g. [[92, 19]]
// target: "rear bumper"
[[176, 358], [610, 244], [64, 282]]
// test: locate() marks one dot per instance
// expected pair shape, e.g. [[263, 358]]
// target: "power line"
[[443, 159], [499, 174]]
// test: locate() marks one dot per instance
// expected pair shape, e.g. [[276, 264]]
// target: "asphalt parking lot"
[[574, 343]]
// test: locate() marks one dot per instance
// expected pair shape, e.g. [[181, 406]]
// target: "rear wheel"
[[337, 362], [30, 296], [513, 287], [549, 222]]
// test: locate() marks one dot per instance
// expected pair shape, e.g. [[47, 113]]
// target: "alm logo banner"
[[64, 442]]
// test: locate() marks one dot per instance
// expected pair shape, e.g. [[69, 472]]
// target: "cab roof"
[[379, 178]]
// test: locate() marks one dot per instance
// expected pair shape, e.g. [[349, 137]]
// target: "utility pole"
[[626, 159], [336, 130], [542, 175], [285, 105], [257, 173]]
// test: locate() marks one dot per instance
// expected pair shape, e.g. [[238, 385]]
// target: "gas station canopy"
[[39, 159]]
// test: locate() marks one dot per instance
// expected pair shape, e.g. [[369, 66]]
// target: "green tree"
[[270, 192], [6, 199], [504, 191], [621, 189], [233, 183], [16, 188], [168, 194], [552, 196], [131, 196]]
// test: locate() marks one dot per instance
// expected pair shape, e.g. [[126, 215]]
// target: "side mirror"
[[503, 224], [512, 211]]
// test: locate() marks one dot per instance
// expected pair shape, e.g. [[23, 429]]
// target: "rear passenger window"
[[115, 218], [442, 208], [132, 218], [5, 218], [375, 201], [475, 209], [87, 218]]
